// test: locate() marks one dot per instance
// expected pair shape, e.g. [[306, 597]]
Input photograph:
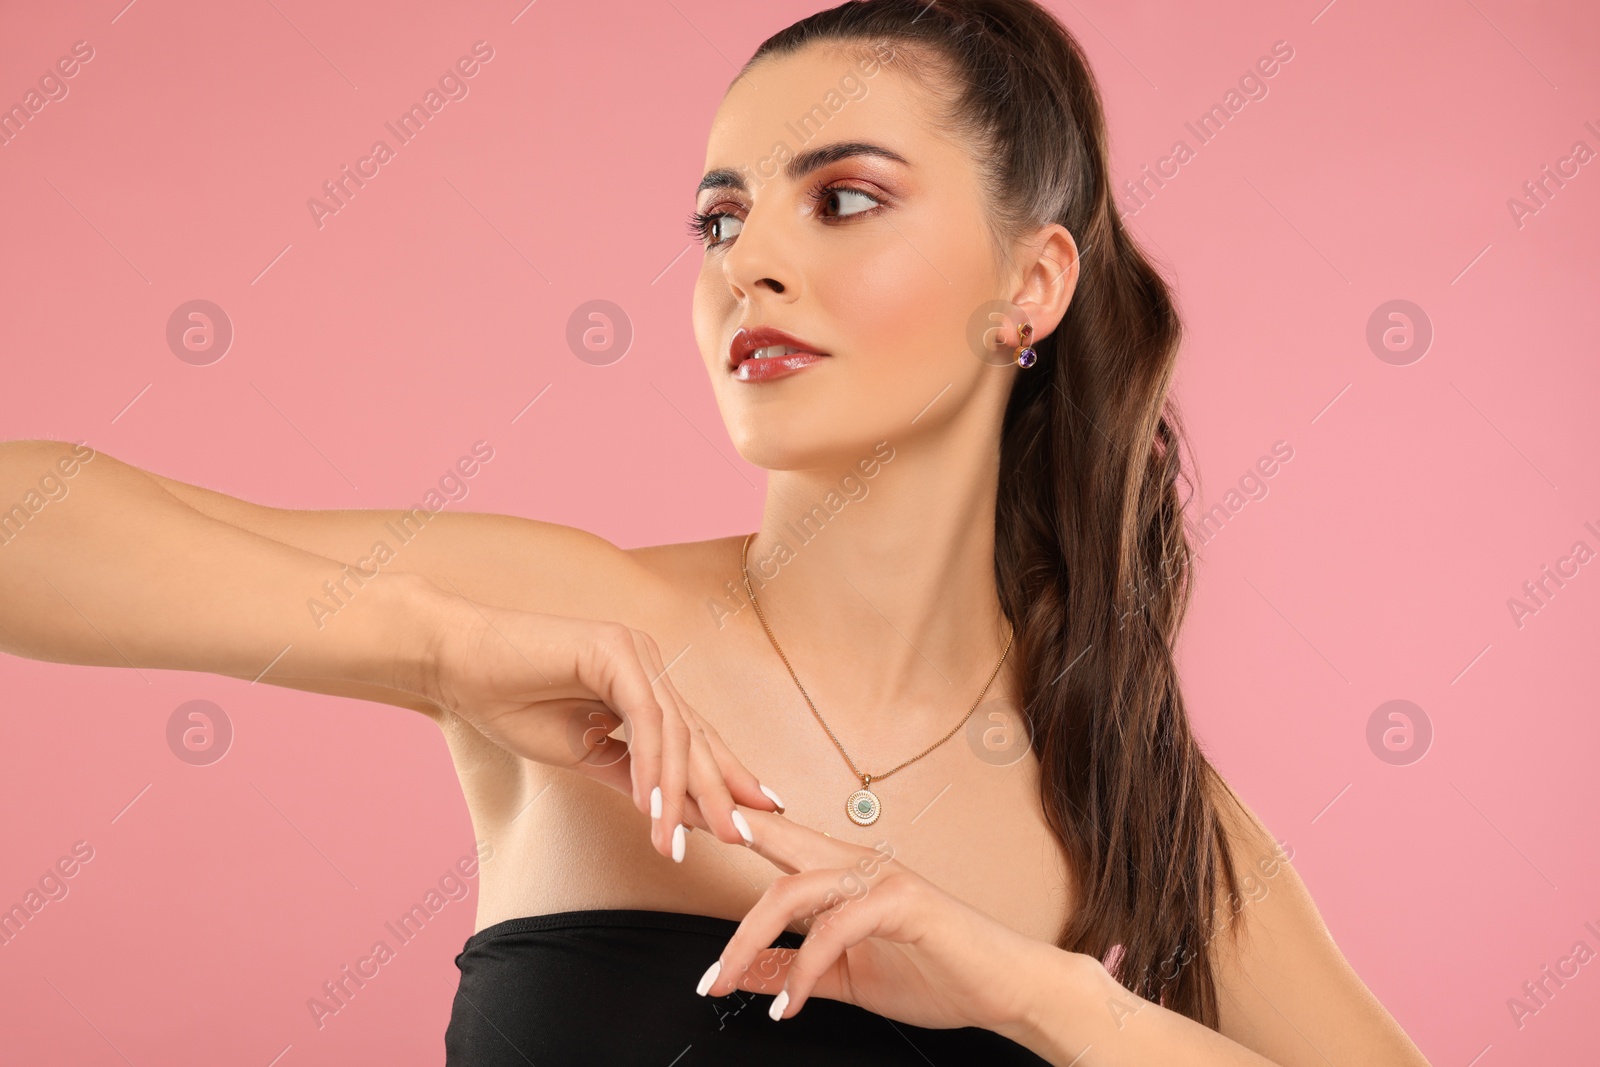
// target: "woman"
[[948, 647]]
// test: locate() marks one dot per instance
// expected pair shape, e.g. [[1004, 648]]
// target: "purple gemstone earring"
[[1025, 353]]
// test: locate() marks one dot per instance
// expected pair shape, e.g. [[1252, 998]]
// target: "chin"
[[808, 446], [782, 452]]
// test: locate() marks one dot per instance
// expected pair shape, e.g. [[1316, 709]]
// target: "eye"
[[710, 228], [838, 193], [707, 227]]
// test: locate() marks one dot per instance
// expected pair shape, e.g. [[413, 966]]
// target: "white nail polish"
[[742, 824], [655, 803], [709, 978], [678, 839], [773, 797], [779, 1002]]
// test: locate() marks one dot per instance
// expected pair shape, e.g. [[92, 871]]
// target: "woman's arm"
[[505, 560], [103, 564], [881, 936], [100, 565], [1078, 1014], [1286, 994]]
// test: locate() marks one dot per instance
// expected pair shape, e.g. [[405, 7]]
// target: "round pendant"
[[863, 808]]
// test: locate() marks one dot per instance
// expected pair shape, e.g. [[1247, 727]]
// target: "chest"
[[966, 815]]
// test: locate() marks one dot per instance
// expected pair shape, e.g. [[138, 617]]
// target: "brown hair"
[[1092, 557]]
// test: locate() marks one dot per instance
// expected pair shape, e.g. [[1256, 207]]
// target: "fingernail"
[[772, 797], [678, 840], [741, 824], [655, 803], [709, 979], [779, 1002]]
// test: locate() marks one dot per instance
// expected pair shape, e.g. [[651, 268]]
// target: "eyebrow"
[[803, 164]]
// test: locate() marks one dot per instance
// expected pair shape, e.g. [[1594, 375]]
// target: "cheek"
[[709, 315], [904, 319]]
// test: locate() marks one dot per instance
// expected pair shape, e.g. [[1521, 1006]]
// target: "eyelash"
[[700, 222]]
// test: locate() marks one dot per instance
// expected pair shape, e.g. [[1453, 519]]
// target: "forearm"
[[1076, 1013], [113, 570]]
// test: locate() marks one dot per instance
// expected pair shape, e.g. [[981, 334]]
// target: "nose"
[[758, 261]]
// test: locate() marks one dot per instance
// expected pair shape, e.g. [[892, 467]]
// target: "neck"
[[878, 581]]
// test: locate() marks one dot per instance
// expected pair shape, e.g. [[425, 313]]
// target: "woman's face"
[[879, 263]]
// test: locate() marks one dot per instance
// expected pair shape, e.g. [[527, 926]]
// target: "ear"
[[1048, 262]]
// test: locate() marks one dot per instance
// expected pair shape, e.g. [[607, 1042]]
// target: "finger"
[[805, 898], [694, 817], [743, 786], [611, 768], [608, 665], [589, 724], [766, 919], [604, 758], [791, 846], [709, 790], [667, 807], [703, 782], [607, 768], [767, 972], [816, 967]]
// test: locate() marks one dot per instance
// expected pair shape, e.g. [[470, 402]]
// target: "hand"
[[551, 689], [878, 935]]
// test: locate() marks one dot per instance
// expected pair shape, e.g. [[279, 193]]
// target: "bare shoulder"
[[692, 566], [1284, 989], [694, 587], [1260, 861]]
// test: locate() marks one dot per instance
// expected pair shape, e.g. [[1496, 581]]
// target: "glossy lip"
[[774, 367], [746, 340]]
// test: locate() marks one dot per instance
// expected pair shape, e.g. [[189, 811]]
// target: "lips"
[[746, 366]]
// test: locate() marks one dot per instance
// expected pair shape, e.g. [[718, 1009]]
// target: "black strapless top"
[[616, 987]]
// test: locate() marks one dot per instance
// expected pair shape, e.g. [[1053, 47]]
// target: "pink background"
[[432, 309]]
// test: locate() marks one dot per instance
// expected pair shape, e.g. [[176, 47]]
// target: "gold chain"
[[866, 779]]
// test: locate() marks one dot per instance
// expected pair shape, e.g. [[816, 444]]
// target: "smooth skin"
[[881, 936], [515, 636], [84, 581]]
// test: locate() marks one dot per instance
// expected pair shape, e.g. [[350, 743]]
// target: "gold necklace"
[[863, 806]]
